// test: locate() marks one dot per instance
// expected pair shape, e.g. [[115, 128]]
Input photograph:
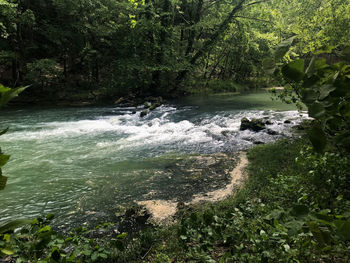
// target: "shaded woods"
[[108, 48]]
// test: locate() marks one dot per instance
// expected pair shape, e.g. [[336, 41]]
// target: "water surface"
[[83, 163]]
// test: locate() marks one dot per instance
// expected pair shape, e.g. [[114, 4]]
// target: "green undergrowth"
[[215, 86], [294, 207]]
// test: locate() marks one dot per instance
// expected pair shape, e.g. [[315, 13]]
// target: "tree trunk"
[[210, 42]]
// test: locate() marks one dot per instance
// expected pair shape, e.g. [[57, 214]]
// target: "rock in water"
[[253, 125], [143, 113], [271, 132]]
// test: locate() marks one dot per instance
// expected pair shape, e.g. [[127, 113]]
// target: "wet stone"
[[253, 125]]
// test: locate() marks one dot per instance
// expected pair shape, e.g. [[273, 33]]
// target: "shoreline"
[[162, 212]]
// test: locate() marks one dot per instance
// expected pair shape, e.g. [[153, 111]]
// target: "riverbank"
[[162, 212], [286, 212]]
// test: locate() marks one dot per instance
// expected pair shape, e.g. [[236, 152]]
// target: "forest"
[[112, 48], [112, 108]]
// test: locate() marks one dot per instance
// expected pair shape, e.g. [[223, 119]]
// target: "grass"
[[276, 217]]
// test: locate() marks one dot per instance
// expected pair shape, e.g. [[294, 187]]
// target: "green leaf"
[[94, 256], [316, 110], [4, 131], [7, 238], [334, 122], [183, 237], [300, 210], [55, 254], [122, 235], [310, 81], [294, 71], [345, 109], [343, 229], [342, 87], [118, 244], [13, 225], [318, 138], [325, 90], [321, 64], [4, 159], [4, 89], [3, 180], [325, 50], [7, 251], [269, 65], [50, 216], [311, 68], [343, 139], [45, 229], [275, 214], [345, 54], [8, 94], [283, 47], [309, 95]]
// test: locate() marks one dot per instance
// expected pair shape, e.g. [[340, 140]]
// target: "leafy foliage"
[[295, 207], [7, 94], [323, 88]]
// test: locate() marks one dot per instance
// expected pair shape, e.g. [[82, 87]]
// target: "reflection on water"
[[88, 161]]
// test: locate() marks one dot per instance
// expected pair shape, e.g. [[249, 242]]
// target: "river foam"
[[161, 127], [81, 162]]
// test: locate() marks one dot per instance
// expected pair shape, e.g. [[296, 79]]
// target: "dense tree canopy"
[[155, 47]]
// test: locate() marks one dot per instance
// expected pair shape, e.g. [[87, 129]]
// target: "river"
[[83, 164]]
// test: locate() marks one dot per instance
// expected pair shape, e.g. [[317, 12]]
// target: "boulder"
[[143, 113], [154, 106], [253, 125], [271, 132]]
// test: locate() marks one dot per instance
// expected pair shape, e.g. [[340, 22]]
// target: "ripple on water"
[[70, 161]]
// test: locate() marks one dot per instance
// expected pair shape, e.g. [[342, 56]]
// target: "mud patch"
[[162, 211], [237, 176]]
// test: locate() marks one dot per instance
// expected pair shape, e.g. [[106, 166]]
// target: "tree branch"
[[252, 18], [257, 2]]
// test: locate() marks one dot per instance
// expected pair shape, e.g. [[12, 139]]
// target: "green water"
[[82, 164]]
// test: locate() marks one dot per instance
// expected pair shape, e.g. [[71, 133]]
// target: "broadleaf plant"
[[325, 90], [6, 94]]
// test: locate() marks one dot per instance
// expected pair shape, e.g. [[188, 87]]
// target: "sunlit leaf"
[[283, 47], [9, 94], [7, 251]]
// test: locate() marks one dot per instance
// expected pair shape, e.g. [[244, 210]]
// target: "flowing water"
[[84, 163]]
